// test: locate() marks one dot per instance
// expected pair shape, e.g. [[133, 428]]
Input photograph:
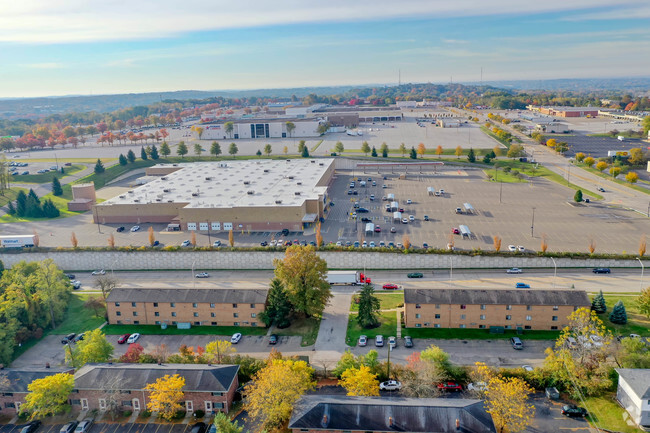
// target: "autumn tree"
[[225, 425], [290, 127], [552, 142], [369, 307], [515, 151], [152, 237], [106, 283], [111, 240], [181, 149], [95, 303], [497, 151], [218, 349], [402, 149], [543, 243], [166, 395], [271, 395], [642, 245], [458, 152], [365, 148], [589, 161], [601, 166], [632, 177], [132, 354], [592, 246], [48, 395], [496, 241], [319, 236], [580, 156], [636, 156], [439, 151], [193, 238], [268, 149], [93, 348], [303, 274], [231, 238], [360, 382], [73, 240], [615, 171], [419, 375], [421, 150]]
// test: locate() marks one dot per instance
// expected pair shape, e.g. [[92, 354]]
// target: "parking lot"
[[598, 147], [109, 428]]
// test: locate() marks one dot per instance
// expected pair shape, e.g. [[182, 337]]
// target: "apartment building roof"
[[577, 298], [213, 296]]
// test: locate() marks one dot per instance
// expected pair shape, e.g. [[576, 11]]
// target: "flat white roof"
[[229, 184]]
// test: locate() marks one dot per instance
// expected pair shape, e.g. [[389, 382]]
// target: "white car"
[[392, 342], [514, 271], [216, 244], [99, 272], [521, 249], [363, 341], [339, 244], [364, 244], [512, 248], [76, 284], [135, 228], [390, 385], [372, 244], [411, 218], [527, 367], [478, 386], [405, 221], [235, 338], [202, 275], [186, 243], [133, 338], [272, 243], [409, 201]]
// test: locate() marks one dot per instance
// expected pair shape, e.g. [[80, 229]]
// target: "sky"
[[66, 47]]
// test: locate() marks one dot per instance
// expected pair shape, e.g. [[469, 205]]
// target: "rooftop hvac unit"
[[298, 183], [122, 196], [208, 178], [313, 161], [164, 178], [278, 202], [195, 194], [170, 201], [158, 199], [321, 164], [131, 192], [291, 177], [137, 200], [223, 165], [266, 170], [251, 192], [247, 182], [288, 160], [297, 193], [166, 190]]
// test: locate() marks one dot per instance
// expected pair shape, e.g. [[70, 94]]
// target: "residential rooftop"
[[17, 379], [638, 379], [577, 298], [213, 296]]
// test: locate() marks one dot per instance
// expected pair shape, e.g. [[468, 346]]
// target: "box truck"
[[17, 241]]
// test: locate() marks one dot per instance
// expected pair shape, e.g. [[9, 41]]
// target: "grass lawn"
[[60, 202], [388, 300], [605, 175], [506, 143], [306, 328], [10, 195], [636, 322], [476, 334], [387, 328], [172, 330], [46, 177], [608, 414]]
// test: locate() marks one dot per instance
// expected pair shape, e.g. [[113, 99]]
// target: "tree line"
[[29, 205]]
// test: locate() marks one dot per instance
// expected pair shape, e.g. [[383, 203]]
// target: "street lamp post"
[[642, 269], [112, 266], [193, 279], [532, 224], [554, 271], [451, 269]]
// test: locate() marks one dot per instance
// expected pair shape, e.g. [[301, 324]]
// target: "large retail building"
[[252, 195]]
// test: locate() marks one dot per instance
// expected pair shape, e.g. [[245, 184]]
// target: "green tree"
[[643, 302], [164, 149], [154, 152], [258, 153], [515, 151], [50, 210], [233, 149], [198, 150], [290, 127], [268, 149], [646, 125], [414, 154], [369, 307], [384, 150], [130, 156], [618, 314], [228, 127], [93, 348], [143, 154], [339, 147], [301, 146], [303, 274], [56, 187], [471, 157], [365, 148], [123, 160], [634, 353], [182, 150], [215, 149], [225, 425], [99, 167], [48, 396], [402, 149], [578, 196], [278, 307], [305, 152], [374, 152], [598, 304]]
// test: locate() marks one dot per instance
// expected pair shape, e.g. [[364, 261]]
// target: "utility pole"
[[532, 224]]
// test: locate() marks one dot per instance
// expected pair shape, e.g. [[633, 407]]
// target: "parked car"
[[235, 338], [405, 221], [30, 427], [363, 341], [477, 386], [408, 341], [264, 244], [199, 427], [390, 385], [411, 218], [601, 189], [390, 286], [392, 230], [602, 271], [134, 229], [123, 338], [202, 275], [521, 248], [379, 341], [415, 275], [512, 248], [186, 243], [425, 245], [573, 411], [273, 339], [84, 426], [216, 244], [455, 231], [450, 386], [377, 229], [120, 229], [426, 217], [392, 342], [69, 427], [79, 337], [98, 272], [68, 338], [522, 286], [516, 343], [514, 271], [552, 393], [76, 284], [133, 338], [527, 367]]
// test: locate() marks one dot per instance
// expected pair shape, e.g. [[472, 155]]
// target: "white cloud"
[[50, 65], [46, 21]]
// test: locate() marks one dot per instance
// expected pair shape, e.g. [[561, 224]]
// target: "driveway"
[[330, 343], [549, 418]]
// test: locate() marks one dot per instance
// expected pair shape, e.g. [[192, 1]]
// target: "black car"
[[574, 411], [362, 210], [408, 341], [285, 232], [415, 275], [120, 229], [273, 339], [68, 338], [71, 276], [79, 337], [264, 244], [366, 220], [69, 427], [31, 427], [602, 271], [199, 427]]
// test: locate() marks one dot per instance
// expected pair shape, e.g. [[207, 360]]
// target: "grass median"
[[46, 177], [387, 327], [476, 334], [388, 301], [307, 328], [637, 323]]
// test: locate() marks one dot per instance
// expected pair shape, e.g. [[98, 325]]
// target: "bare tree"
[[111, 241], [37, 239], [106, 283], [160, 353], [96, 304], [73, 240]]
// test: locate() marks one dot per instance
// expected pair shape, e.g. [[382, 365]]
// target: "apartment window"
[[253, 323], [213, 315], [235, 314], [195, 305], [508, 317], [173, 313], [462, 317], [462, 326], [482, 317], [418, 325], [555, 308], [126, 402], [418, 306], [174, 322], [427, 323], [157, 322], [529, 318], [9, 405], [172, 304], [236, 324], [482, 306], [7, 394], [117, 304], [135, 313], [253, 315], [155, 304], [157, 314], [481, 326], [553, 328], [528, 327], [211, 305], [196, 314], [437, 306], [197, 323], [417, 316], [118, 313], [437, 316], [508, 307], [133, 304], [436, 325], [252, 305], [234, 305], [462, 307], [529, 307], [214, 323], [136, 322], [554, 319]]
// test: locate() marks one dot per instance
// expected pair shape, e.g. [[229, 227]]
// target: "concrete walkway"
[[330, 343]]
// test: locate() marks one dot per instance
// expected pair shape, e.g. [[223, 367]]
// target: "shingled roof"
[[133, 377], [19, 378], [216, 296], [377, 414], [577, 298], [638, 379]]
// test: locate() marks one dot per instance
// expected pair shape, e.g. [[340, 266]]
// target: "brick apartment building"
[[210, 388], [343, 414], [14, 382], [511, 309], [198, 307]]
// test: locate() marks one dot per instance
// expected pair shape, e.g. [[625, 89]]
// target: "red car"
[[123, 338], [401, 209], [390, 286], [455, 231], [377, 229], [450, 386]]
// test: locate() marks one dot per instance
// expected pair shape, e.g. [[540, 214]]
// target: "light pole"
[[642, 269], [532, 224], [554, 271], [193, 279], [112, 266], [451, 269]]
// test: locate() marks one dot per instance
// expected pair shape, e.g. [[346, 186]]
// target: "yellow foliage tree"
[[632, 177], [496, 241], [601, 166], [231, 238], [421, 149], [48, 396], [73, 240], [497, 150], [589, 161], [439, 150], [271, 394], [218, 349], [406, 241], [165, 395], [360, 381], [551, 143], [642, 245], [458, 152], [111, 241], [152, 238]]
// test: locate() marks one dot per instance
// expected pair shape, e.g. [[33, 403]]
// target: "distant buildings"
[[566, 111], [262, 128]]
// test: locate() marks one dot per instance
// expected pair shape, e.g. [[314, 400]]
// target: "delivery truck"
[[350, 278], [17, 241]]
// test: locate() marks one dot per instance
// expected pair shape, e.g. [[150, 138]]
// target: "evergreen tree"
[[384, 152], [471, 157], [618, 315], [164, 149], [130, 156], [33, 205], [49, 210], [578, 197], [2, 268], [11, 209], [56, 187], [278, 306], [154, 152], [374, 152], [182, 149], [258, 153], [598, 304], [123, 160], [21, 202], [99, 167], [33, 195], [414, 154], [215, 149], [305, 152], [143, 154], [368, 308]]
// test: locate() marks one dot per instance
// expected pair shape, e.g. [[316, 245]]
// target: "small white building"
[[448, 123], [633, 393]]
